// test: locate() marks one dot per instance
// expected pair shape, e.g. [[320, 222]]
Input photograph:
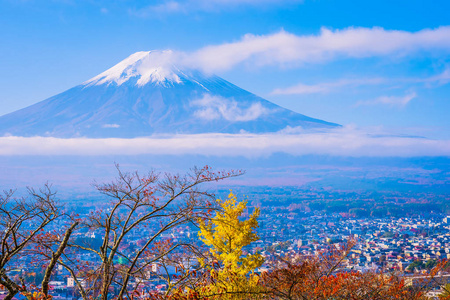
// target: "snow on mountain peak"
[[147, 66]]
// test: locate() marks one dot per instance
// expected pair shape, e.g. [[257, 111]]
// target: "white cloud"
[[154, 10], [286, 49], [390, 100], [216, 107], [442, 78], [110, 126], [340, 142], [187, 6], [326, 87], [253, 2]]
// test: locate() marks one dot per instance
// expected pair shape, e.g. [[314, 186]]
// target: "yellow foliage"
[[445, 295], [37, 296], [227, 235]]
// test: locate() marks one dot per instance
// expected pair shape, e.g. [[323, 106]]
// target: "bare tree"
[[21, 221], [147, 207]]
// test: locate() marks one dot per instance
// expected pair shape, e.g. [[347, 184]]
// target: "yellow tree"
[[232, 273], [445, 295]]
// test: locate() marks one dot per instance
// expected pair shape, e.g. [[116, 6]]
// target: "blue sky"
[[379, 65]]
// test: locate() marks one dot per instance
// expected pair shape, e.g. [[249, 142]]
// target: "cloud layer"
[[340, 142]]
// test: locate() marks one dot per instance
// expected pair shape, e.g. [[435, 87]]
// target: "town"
[[408, 244]]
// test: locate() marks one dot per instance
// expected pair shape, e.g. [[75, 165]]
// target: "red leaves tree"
[[323, 277], [22, 222], [150, 206]]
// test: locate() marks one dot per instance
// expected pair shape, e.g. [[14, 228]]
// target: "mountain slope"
[[146, 94]]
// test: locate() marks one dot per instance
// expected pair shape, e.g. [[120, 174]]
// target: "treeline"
[[119, 250], [360, 204], [368, 208], [362, 209]]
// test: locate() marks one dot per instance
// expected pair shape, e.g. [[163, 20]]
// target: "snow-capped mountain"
[[146, 66], [148, 94]]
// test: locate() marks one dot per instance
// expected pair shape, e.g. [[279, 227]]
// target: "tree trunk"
[[10, 285], [10, 295], [55, 257], [105, 283]]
